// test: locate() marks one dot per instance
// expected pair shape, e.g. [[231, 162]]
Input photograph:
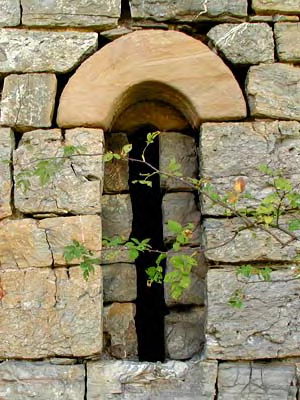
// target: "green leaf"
[[174, 167], [108, 156], [265, 273], [133, 254], [265, 169], [151, 136], [237, 299], [294, 225], [185, 282], [283, 184], [126, 149], [143, 182], [174, 226]]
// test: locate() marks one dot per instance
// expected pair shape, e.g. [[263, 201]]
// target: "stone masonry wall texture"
[[228, 70]]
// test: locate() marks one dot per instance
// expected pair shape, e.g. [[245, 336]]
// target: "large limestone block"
[[195, 294], [233, 150], [182, 148], [119, 282], [28, 101], [273, 91], [266, 327], [119, 325], [276, 6], [245, 43], [189, 11], [76, 185], [101, 14], [248, 244], [257, 381], [116, 215], [60, 232], [287, 38], [116, 171], [184, 330], [173, 380], [167, 66], [44, 51], [50, 312], [23, 380], [7, 143], [181, 207], [9, 13], [23, 244]]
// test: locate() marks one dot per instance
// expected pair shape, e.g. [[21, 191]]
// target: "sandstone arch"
[[152, 65]]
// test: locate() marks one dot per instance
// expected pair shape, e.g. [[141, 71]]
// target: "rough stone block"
[[287, 38], [50, 312], [119, 325], [181, 207], [247, 245], [116, 215], [116, 171], [44, 51], [76, 185], [183, 10], [276, 6], [245, 43], [119, 282], [60, 232], [7, 143], [10, 14], [103, 14], [273, 91], [182, 148], [195, 294], [232, 150], [23, 244], [184, 330], [28, 101], [256, 381], [266, 327], [22, 380], [173, 380]]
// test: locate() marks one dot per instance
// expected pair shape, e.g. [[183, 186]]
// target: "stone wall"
[[64, 338]]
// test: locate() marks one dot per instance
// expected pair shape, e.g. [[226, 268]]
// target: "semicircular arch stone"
[[150, 65]]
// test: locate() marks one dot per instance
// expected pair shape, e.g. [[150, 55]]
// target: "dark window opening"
[[147, 223]]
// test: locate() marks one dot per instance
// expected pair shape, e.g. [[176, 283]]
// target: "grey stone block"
[[28, 101], [184, 330], [266, 327], [273, 91], [276, 6], [7, 144], [245, 43], [287, 36], [116, 215], [10, 14], [173, 380], [119, 282]]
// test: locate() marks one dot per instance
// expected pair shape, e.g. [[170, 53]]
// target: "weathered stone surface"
[[266, 327], [276, 6], [119, 282], [116, 171], [181, 207], [116, 215], [288, 41], [113, 34], [248, 245], [60, 232], [195, 294], [120, 326], [273, 18], [9, 13], [76, 186], [184, 10], [244, 44], [7, 143], [273, 91], [28, 101], [202, 88], [161, 115], [44, 51], [101, 14], [23, 244], [50, 312], [22, 380], [173, 380], [233, 150], [182, 148], [184, 330], [256, 381]]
